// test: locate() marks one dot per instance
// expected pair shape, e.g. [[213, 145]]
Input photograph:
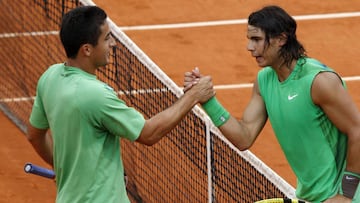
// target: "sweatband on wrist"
[[217, 113], [350, 182]]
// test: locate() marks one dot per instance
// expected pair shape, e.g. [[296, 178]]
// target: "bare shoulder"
[[327, 77], [326, 85]]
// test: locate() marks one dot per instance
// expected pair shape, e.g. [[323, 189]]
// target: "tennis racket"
[[280, 200], [38, 170]]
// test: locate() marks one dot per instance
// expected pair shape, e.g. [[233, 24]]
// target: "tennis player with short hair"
[[313, 116], [86, 118]]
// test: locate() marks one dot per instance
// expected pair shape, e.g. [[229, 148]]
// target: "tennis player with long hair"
[[313, 116], [87, 119]]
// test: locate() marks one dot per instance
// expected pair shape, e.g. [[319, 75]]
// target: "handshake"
[[199, 86], [194, 81]]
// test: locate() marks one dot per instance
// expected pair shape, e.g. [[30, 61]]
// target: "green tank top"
[[313, 146]]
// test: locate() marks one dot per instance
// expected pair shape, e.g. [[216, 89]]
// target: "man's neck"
[[83, 65]]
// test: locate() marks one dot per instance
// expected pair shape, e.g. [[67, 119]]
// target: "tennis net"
[[194, 163]]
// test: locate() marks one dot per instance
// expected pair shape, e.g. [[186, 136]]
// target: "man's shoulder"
[[96, 85], [266, 73], [314, 64], [55, 67], [96, 93], [52, 69], [311, 67], [97, 90], [50, 73]]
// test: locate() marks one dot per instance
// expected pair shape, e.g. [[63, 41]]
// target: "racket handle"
[[38, 170]]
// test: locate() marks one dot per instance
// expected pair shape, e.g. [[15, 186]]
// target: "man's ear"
[[86, 49], [282, 39]]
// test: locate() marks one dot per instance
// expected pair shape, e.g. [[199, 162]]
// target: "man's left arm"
[[329, 93]]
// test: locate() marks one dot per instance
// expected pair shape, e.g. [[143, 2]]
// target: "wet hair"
[[81, 25], [275, 21]]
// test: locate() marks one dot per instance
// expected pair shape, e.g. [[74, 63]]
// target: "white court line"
[[237, 21], [19, 99], [143, 91], [185, 25], [194, 24], [248, 85], [28, 34]]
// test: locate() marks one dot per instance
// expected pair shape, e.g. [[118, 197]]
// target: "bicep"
[[328, 93], [255, 114]]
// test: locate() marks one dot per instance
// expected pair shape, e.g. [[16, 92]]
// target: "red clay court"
[[217, 50]]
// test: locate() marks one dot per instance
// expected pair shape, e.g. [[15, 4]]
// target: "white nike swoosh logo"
[[349, 178], [290, 97]]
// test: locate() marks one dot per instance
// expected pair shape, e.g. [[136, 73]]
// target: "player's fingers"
[[190, 83], [189, 79], [187, 87], [188, 74], [196, 72], [205, 89]]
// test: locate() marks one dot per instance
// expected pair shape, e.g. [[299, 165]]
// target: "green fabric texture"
[[87, 120], [313, 146]]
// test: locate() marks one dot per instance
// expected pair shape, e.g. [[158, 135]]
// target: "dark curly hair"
[[275, 21]]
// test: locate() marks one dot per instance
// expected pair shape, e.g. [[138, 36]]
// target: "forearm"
[[43, 146], [351, 177], [159, 125], [240, 133], [353, 162], [237, 134], [162, 123], [42, 143]]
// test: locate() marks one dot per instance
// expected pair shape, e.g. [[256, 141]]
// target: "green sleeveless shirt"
[[313, 146]]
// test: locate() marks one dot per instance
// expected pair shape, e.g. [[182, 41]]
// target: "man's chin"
[[261, 65]]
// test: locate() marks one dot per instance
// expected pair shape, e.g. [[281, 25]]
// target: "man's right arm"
[[41, 141], [243, 133], [159, 125], [240, 133]]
